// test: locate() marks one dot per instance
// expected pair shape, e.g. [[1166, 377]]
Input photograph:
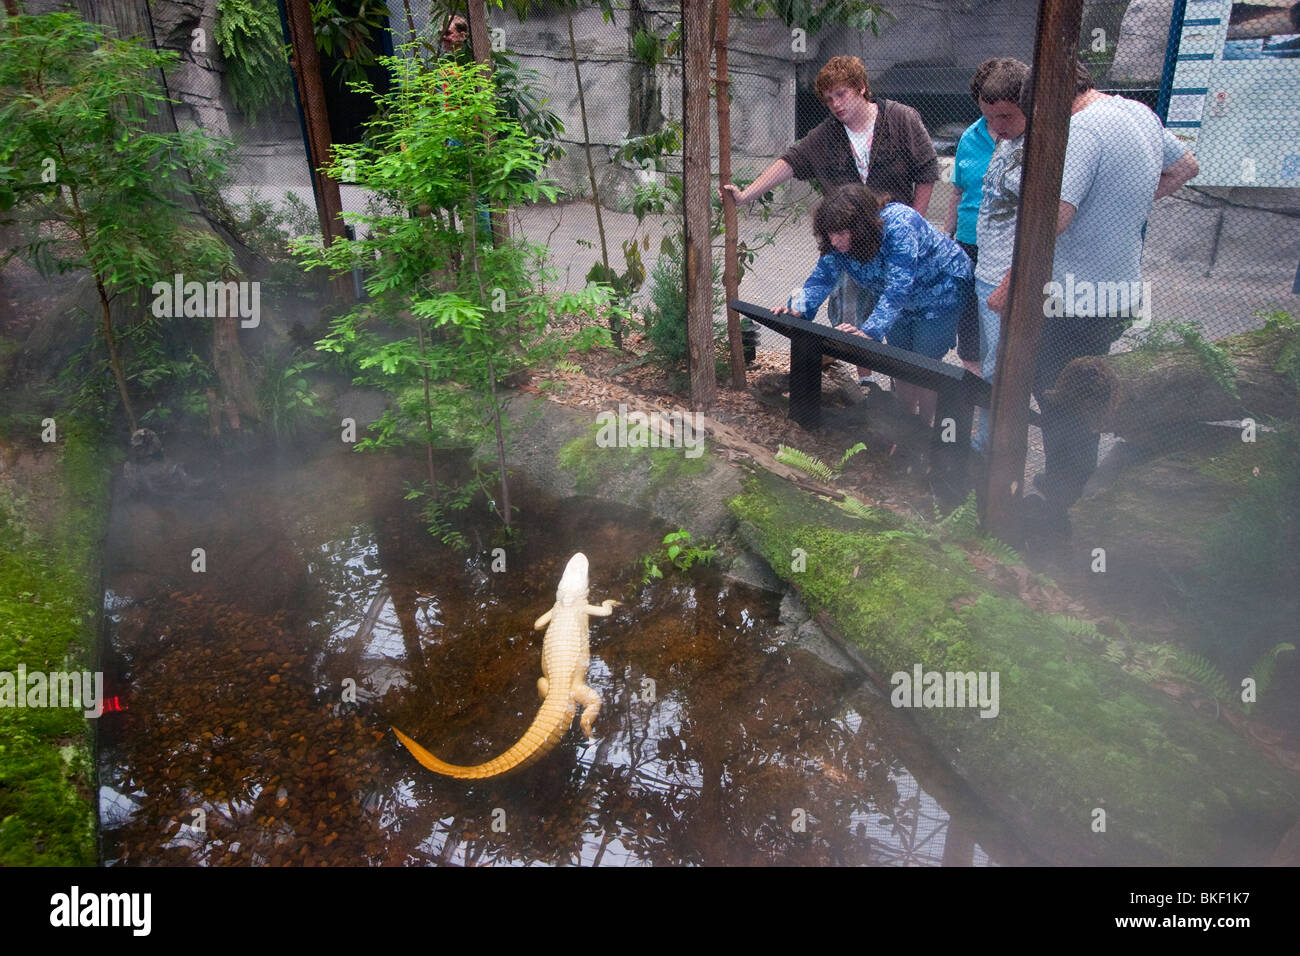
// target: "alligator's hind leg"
[[542, 686], [590, 702]]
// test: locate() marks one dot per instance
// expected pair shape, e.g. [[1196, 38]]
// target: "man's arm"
[[922, 201], [1064, 213], [1173, 177], [999, 296], [776, 174], [950, 217]]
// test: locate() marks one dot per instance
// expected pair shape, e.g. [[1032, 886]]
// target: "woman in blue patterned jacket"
[[920, 277]]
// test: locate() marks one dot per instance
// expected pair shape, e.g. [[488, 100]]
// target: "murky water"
[[254, 697]]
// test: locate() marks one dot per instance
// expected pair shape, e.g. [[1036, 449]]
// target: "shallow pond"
[[251, 701]]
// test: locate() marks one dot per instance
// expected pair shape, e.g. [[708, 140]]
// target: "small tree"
[[82, 177], [467, 312]]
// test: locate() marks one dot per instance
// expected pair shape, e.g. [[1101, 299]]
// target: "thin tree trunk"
[[428, 412], [698, 259], [730, 265], [113, 359], [492, 375], [615, 326], [501, 445], [305, 64]]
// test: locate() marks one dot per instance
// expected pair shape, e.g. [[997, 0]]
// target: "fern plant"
[[252, 44], [813, 466], [1162, 336], [808, 464], [1205, 673], [1262, 670], [680, 553]]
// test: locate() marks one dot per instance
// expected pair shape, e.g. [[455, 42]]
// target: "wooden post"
[[731, 238], [305, 63], [1049, 128], [696, 200]]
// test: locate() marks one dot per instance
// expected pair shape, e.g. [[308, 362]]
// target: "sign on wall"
[[1231, 89]]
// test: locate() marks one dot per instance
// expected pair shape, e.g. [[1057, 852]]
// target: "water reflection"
[[721, 739]]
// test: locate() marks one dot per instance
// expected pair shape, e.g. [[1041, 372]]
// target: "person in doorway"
[[920, 277], [454, 33], [866, 140]]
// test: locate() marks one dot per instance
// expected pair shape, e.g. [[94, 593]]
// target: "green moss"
[[1074, 733], [593, 466], [49, 599]]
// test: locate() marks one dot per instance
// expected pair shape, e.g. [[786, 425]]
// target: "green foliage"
[[518, 90], [963, 526], [252, 45], [1256, 546], [1288, 359], [814, 466], [814, 17], [849, 453], [1163, 336], [88, 185], [1075, 626], [285, 396], [1205, 673], [1262, 671], [446, 304], [678, 552], [808, 464], [345, 29], [48, 598]]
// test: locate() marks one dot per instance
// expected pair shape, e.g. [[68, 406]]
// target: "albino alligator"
[[565, 654]]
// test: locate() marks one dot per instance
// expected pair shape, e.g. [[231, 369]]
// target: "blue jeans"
[[990, 332]]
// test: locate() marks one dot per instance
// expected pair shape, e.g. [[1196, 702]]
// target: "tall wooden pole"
[[731, 238], [698, 253], [305, 63], [1031, 269]]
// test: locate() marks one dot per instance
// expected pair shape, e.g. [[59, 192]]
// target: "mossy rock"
[[49, 605], [1161, 516], [1074, 733]]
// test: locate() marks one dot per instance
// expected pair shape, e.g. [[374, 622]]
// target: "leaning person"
[[974, 150], [920, 278], [866, 139]]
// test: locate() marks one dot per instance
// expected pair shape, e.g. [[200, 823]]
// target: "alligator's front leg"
[[605, 610]]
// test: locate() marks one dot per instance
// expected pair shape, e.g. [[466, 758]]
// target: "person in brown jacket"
[[866, 139]]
